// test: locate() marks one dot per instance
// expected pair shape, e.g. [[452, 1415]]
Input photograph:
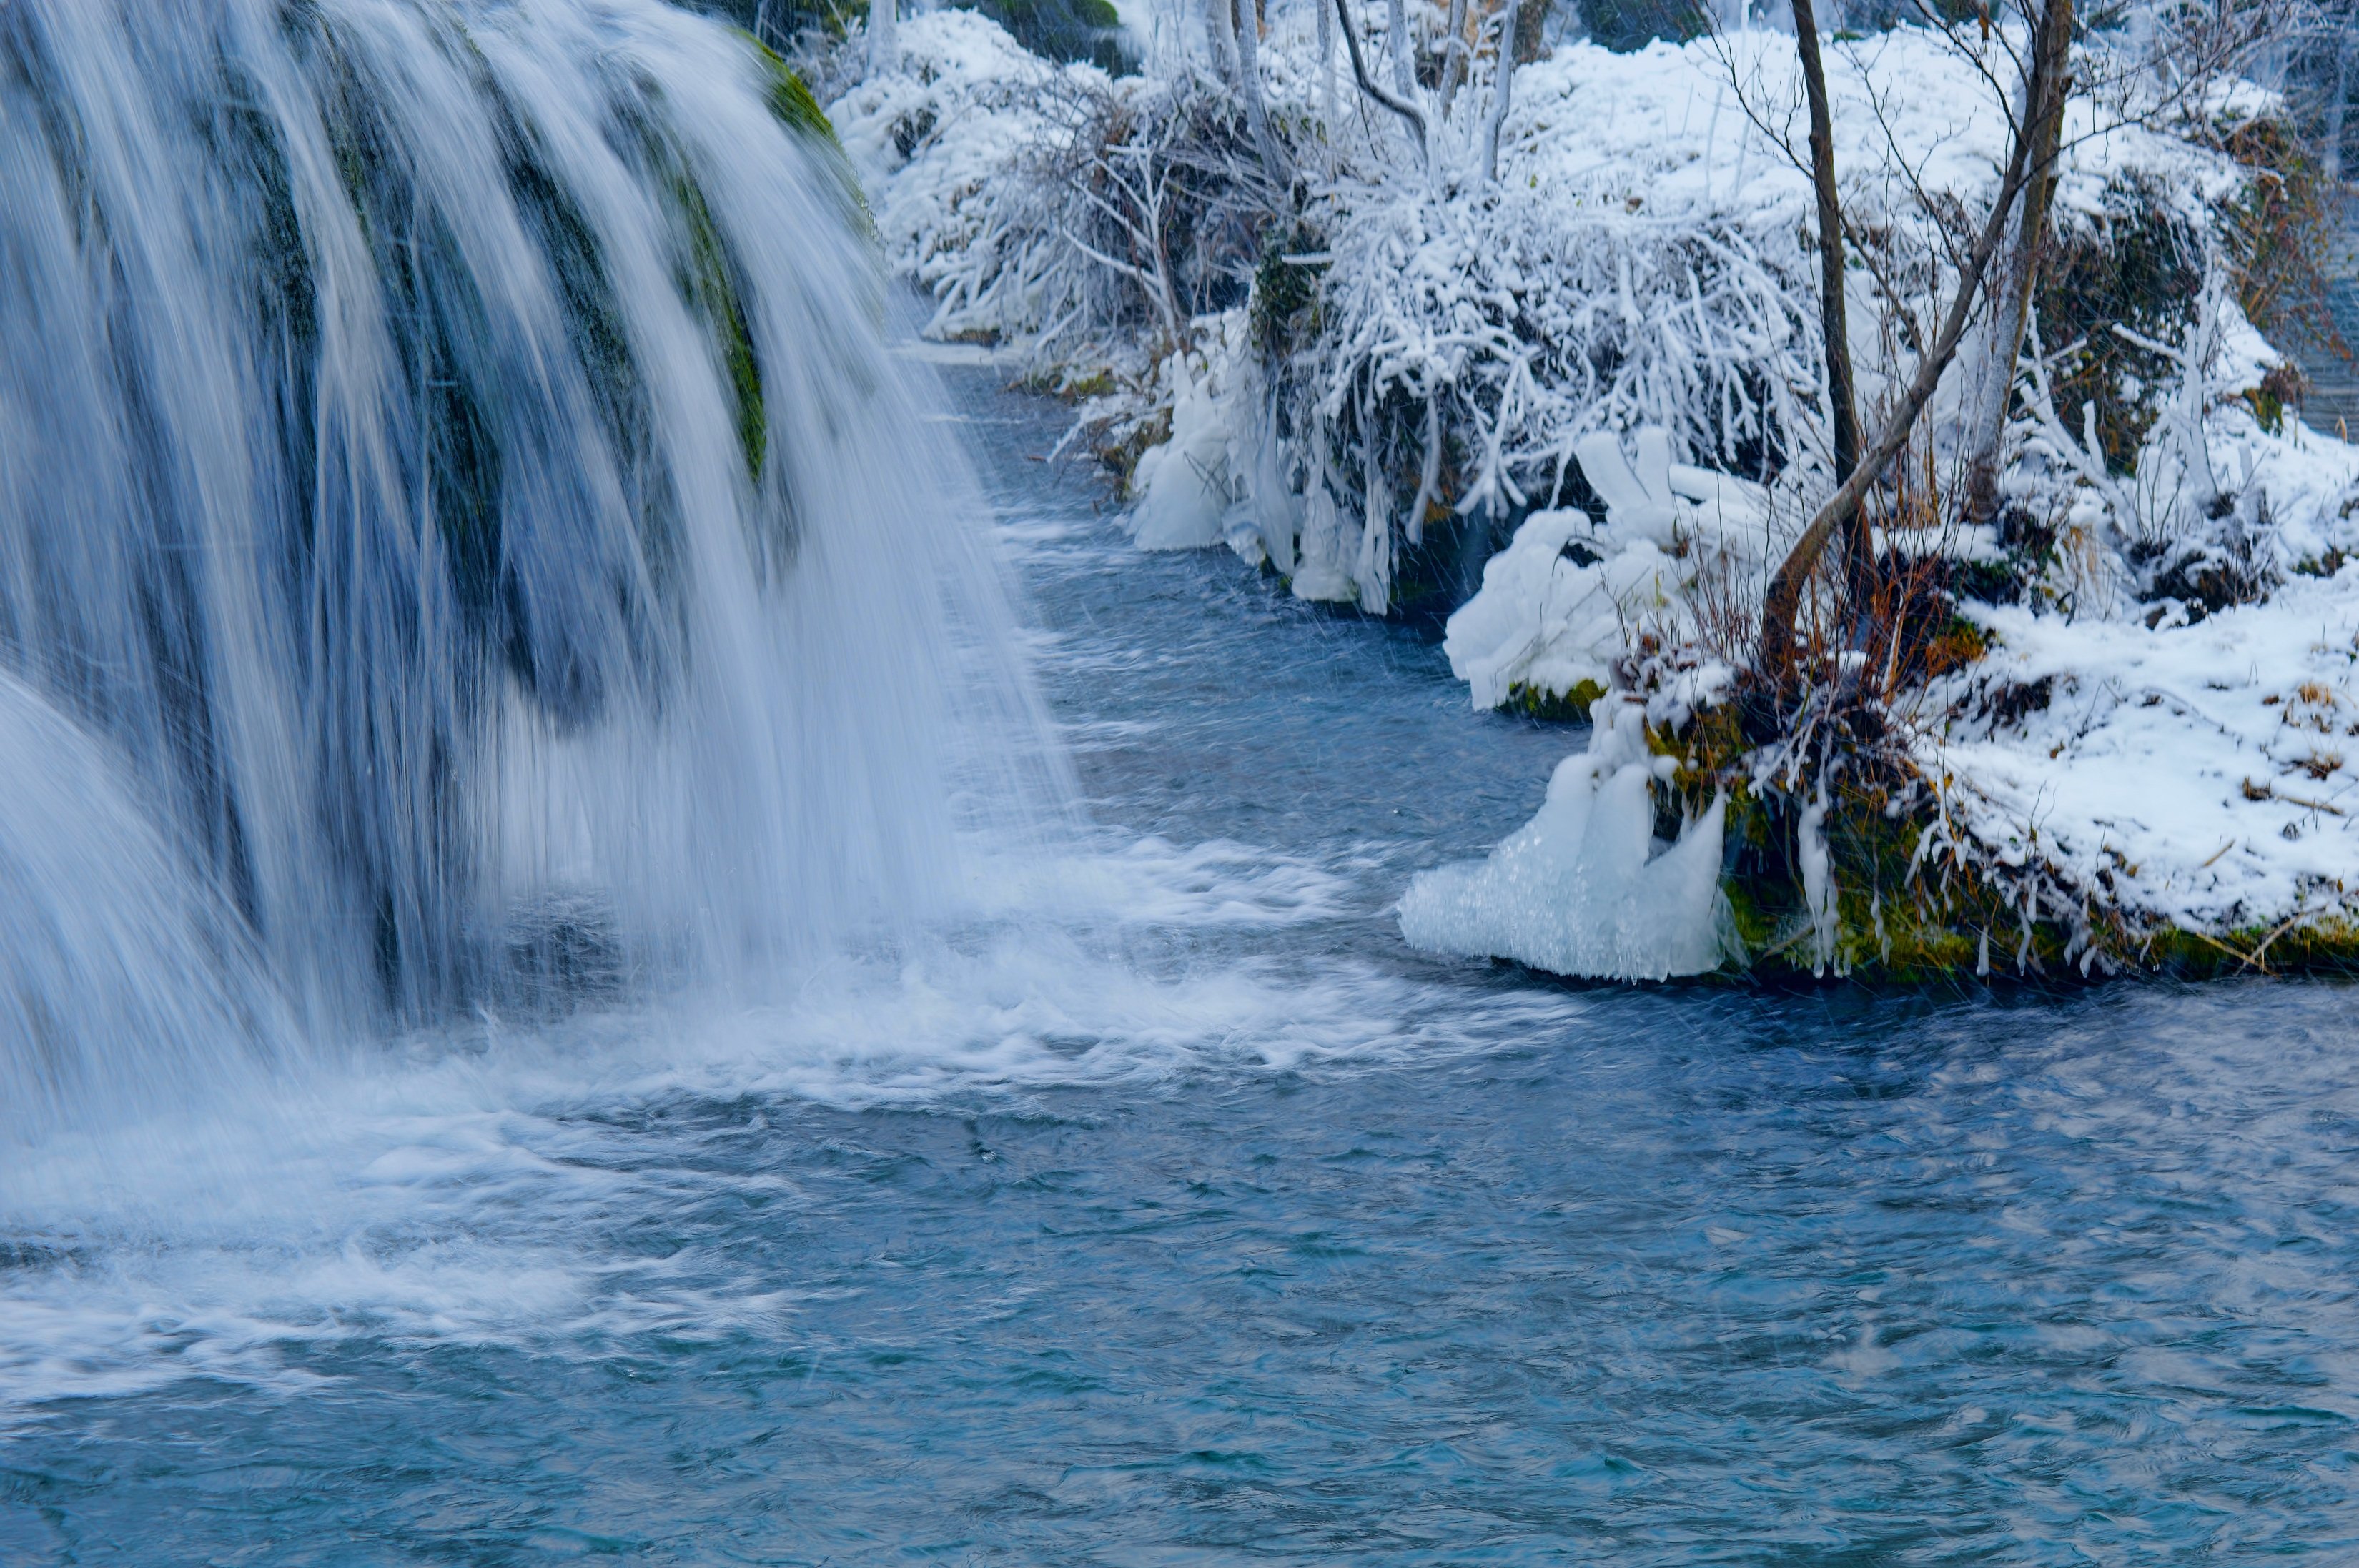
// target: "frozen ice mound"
[[1586, 888], [1182, 484], [1559, 605]]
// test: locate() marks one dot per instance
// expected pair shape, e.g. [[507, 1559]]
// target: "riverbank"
[[2100, 734]]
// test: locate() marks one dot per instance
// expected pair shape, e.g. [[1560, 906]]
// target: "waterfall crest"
[[454, 495]]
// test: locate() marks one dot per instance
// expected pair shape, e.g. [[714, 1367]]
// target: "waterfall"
[[462, 537]]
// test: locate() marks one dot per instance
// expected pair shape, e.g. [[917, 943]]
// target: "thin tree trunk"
[[1327, 77], [2022, 272], [884, 36], [1835, 315], [1274, 166], [1409, 113], [1404, 52], [1455, 56], [1845, 511], [1503, 88], [2332, 156], [1223, 37]]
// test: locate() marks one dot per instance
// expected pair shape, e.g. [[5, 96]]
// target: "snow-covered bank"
[[1586, 397], [2196, 775]]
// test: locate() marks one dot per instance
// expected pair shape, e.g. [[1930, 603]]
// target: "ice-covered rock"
[[1586, 888], [1559, 605], [1183, 483]]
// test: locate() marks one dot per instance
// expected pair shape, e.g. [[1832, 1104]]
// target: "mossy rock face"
[[1898, 921], [2134, 265], [1064, 31], [793, 105], [2280, 232], [791, 101], [1285, 308]]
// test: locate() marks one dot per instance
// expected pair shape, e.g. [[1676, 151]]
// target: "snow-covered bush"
[[1086, 218]]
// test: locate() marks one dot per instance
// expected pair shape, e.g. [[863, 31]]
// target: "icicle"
[[1818, 879], [1375, 572]]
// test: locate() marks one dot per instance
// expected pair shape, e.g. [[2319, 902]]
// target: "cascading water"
[[459, 530]]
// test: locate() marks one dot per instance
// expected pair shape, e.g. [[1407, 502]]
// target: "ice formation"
[[1586, 888], [1559, 605], [1182, 484]]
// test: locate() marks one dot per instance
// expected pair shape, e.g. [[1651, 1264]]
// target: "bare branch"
[[1409, 113]]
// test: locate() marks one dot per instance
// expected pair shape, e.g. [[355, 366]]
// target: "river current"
[[1168, 1210]]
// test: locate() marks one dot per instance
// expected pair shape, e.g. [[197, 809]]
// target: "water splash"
[[105, 942], [447, 457]]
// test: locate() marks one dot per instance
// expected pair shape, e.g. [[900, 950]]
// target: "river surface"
[[1177, 1214]]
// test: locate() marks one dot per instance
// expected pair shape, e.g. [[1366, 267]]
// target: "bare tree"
[[1456, 58], [1220, 29], [2012, 305], [1399, 105], [1835, 315], [1403, 51], [1503, 87], [1274, 165], [1327, 70], [1844, 510]]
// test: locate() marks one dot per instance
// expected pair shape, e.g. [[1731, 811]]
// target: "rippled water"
[[1171, 1212]]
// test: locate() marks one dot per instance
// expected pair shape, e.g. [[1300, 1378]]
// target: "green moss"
[[1063, 30], [1556, 708], [791, 99], [792, 105], [1081, 388], [1285, 310], [710, 282]]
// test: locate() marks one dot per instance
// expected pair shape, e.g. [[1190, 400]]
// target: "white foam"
[[461, 1185]]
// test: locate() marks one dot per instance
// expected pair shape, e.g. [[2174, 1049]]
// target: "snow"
[[942, 147], [2196, 775], [1586, 888]]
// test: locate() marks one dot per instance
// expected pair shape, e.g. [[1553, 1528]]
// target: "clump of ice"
[[1558, 605], [1586, 888], [1182, 484]]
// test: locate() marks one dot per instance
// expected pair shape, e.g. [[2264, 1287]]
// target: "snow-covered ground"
[[2199, 775]]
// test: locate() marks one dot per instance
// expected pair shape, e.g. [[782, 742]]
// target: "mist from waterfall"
[[463, 542]]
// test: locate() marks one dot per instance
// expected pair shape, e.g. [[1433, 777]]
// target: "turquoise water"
[[1177, 1214]]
